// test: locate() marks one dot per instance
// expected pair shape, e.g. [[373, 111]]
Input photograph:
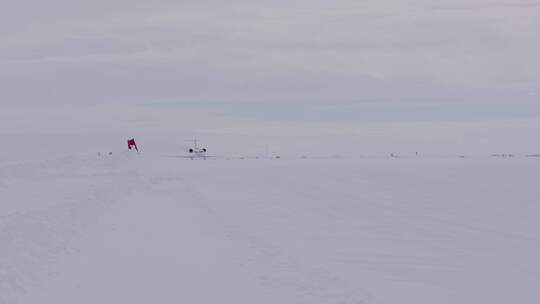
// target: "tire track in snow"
[[32, 242], [274, 268]]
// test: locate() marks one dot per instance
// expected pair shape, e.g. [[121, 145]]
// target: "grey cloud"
[[393, 51]]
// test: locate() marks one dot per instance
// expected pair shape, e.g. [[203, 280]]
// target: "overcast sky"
[[338, 52]]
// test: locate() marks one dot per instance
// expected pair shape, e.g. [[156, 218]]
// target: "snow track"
[[36, 234], [141, 230], [273, 267]]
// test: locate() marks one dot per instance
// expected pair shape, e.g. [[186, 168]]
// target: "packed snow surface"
[[151, 229]]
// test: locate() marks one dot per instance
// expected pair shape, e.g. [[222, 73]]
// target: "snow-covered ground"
[[345, 224], [150, 229]]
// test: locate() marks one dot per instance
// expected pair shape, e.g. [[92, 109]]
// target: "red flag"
[[132, 144]]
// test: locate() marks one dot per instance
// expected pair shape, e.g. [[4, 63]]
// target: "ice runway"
[[127, 229]]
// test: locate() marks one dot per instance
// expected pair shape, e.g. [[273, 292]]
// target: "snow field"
[[127, 229]]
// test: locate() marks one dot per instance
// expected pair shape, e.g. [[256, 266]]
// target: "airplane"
[[195, 152]]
